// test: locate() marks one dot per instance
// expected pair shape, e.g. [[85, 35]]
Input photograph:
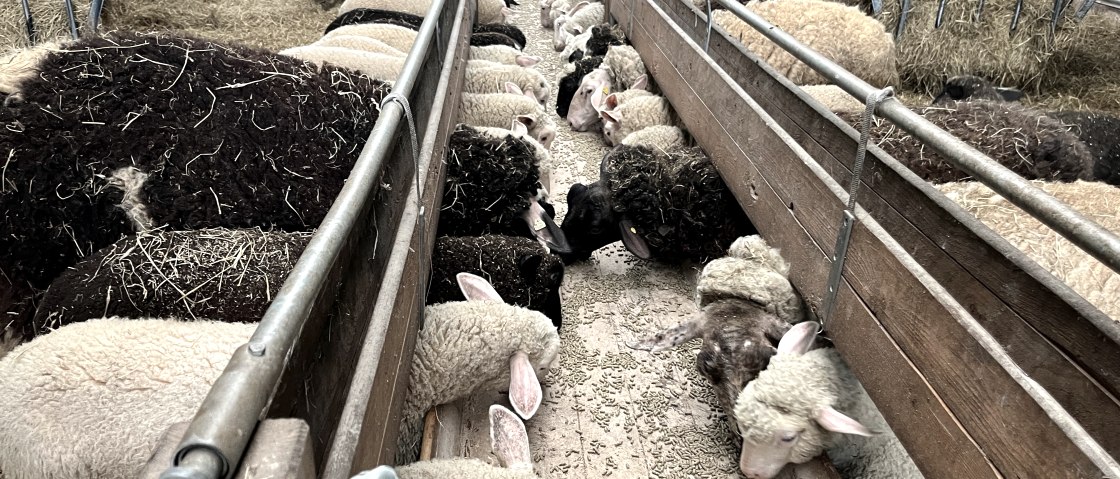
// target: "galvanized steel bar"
[[1089, 236], [217, 437]]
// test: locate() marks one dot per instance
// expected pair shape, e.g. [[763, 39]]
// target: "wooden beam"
[[1014, 298], [960, 413]]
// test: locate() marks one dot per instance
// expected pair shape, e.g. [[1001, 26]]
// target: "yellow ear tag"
[[606, 90], [633, 230]]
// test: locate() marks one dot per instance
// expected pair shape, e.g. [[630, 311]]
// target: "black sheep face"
[[591, 222], [550, 277], [970, 87]]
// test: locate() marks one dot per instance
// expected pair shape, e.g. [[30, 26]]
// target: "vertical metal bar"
[[29, 22], [1015, 15], [73, 22], [903, 15], [940, 13], [95, 15], [708, 39]]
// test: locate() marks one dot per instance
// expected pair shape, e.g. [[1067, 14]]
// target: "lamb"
[[520, 270], [364, 44], [503, 54], [747, 305], [1022, 139], [213, 155], [580, 18], [792, 412], [373, 15], [835, 99], [622, 69], [380, 66], [553, 9], [465, 348], [841, 33], [120, 280], [498, 109], [657, 137], [1084, 274], [569, 84], [508, 440], [669, 205], [493, 186], [621, 119], [91, 400], [489, 11], [1098, 130], [595, 41], [398, 37], [490, 77], [504, 29]]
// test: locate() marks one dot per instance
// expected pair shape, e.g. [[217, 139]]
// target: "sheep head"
[[788, 415], [582, 114]]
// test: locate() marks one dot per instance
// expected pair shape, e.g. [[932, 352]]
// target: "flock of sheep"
[[175, 179]]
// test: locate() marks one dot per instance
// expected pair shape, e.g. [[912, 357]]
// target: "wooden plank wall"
[[959, 412], [366, 436], [316, 385]]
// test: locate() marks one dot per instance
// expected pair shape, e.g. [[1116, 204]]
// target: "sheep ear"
[[611, 101], [576, 30], [475, 288], [526, 120], [508, 438], [672, 337], [508, 13], [528, 265], [798, 339], [640, 83], [836, 421], [611, 115], [633, 242], [550, 235], [597, 100], [1010, 94], [528, 60], [524, 389], [518, 128], [512, 87], [577, 7]]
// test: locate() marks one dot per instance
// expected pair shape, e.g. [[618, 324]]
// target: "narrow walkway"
[[610, 411]]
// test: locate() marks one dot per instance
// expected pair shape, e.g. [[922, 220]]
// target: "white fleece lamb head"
[[788, 414]]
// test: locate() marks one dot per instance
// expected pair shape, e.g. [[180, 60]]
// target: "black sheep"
[[970, 87], [602, 37], [569, 84], [505, 29], [150, 130], [492, 38], [493, 187], [666, 205], [520, 270], [373, 15], [217, 274]]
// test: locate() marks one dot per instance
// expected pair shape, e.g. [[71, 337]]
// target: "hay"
[[49, 17], [218, 274], [1089, 71], [928, 55]]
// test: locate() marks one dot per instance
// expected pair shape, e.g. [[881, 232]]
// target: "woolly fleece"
[[398, 37], [499, 110], [657, 137], [638, 113], [490, 77], [380, 66], [841, 33], [835, 99], [752, 272], [489, 11], [92, 399], [373, 15], [569, 83], [496, 53], [464, 348], [364, 44]]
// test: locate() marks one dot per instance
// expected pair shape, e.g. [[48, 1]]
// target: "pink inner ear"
[[798, 339], [475, 288], [836, 421], [611, 115], [508, 438], [611, 101], [524, 389], [639, 84]]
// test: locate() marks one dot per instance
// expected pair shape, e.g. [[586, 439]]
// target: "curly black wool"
[[214, 274], [520, 270], [226, 136], [489, 183], [603, 37], [492, 38], [569, 84], [373, 15], [505, 29], [1024, 140], [677, 202]]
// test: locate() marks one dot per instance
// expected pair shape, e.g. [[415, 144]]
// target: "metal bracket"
[[708, 39]]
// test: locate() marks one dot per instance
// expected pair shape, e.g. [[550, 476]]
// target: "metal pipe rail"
[[219, 433], [1087, 235]]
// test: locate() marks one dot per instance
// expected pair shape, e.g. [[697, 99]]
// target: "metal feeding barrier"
[[94, 20], [1060, 7]]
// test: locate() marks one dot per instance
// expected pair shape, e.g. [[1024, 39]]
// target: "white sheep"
[[498, 109], [92, 399], [503, 54], [489, 11], [395, 36], [621, 119], [553, 9], [374, 65], [490, 77], [791, 413], [835, 99], [658, 137], [622, 70], [355, 42], [841, 33], [475, 345], [19, 65], [1084, 274], [578, 42], [576, 21], [508, 440]]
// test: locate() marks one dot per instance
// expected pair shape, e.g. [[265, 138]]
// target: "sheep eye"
[[789, 437]]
